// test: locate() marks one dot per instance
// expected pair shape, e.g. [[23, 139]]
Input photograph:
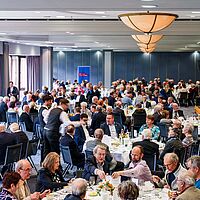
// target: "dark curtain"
[[33, 72], [1, 76]]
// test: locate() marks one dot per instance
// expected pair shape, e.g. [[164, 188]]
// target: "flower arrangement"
[[105, 185], [123, 135], [130, 107]]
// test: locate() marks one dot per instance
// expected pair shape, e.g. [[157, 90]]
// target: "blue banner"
[[83, 73]]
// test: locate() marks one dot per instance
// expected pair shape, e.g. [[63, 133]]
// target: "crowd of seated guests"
[[97, 108]]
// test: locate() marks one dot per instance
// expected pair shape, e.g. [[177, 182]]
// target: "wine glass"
[[92, 181]]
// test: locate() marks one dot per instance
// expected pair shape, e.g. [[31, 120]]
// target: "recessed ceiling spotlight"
[[196, 12], [37, 12], [149, 6], [96, 42], [67, 32], [3, 33], [60, 16], [100, 12], [71, 33], [49, 42], [103, 16], [192, 16]]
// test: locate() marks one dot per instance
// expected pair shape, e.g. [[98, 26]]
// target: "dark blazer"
[[111, 101], [148, 104], [75, 117], [149, 147], [21, 137], [79, 137], [3, 110], [90, 167], [173, 144], [45, 181], [24, 117], [106, 129], [78, 158], [6, 139], [97, 119], [180, 114], [14, 93], [121, 111], [72, 197]]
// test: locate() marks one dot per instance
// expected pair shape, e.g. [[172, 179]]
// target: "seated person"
[[193, 164], [138, 168], [82, 132], [177, 127], [110, 127], [91, 144], [49, 176], [23, 167], [173, 169], [10, 182], [78, 158], [96, 166], [186, 187], [187, 131], [149, 147], [79, 187], [25, 117], [76, 117], [175, 113], [150, 125], [173, 144], [6, 139], [128, 190], [21, 137]]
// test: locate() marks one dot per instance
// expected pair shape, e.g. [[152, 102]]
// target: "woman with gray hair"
[[128, 190]]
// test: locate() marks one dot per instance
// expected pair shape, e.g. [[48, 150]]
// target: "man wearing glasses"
[[23, 167], [173, 169]]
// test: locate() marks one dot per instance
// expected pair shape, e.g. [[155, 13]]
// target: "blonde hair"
[[49, 160]]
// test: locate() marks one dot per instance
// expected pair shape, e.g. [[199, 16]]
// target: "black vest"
[[53, 122], [41, 118]]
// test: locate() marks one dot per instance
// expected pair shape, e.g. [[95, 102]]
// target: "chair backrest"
[[22, 126], [163, 131], [139, 119], [38, 131], [13, 153], [117, 117], [88, 154], [32, 147], [151, 161], [12, 117], [66, 154]]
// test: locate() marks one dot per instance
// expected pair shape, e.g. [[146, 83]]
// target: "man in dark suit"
[[6, 139], [175, 112], [3, 109], [110, 127], [98, 118], [82, 132], [76, 117], [78, 158], [96, 166], [173, 144], [118, 109], [12, 90], [149, 147], [80, 98], [25, 117], [111, 100]]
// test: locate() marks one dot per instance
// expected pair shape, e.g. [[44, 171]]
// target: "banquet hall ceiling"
[[91, 24]]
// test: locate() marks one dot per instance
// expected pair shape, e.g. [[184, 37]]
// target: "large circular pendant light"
[[147, 22], [147, 39]]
